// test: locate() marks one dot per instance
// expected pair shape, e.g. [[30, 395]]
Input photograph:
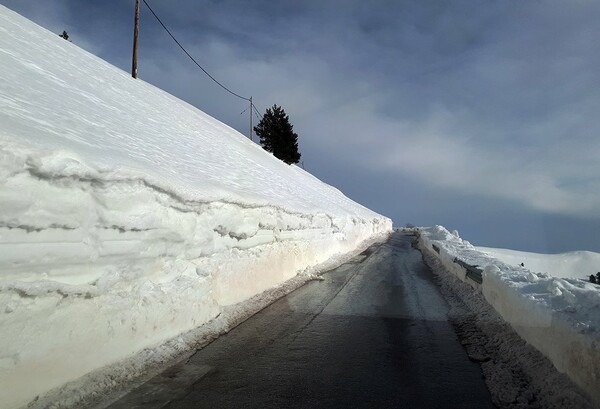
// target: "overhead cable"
[[256, 111], [188, 54]]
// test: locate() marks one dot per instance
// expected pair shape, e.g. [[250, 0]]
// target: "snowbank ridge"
[[558, 316], [128, 216]]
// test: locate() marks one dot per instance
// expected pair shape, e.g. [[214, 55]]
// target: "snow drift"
[[558, 316], [128, 216], [573, 264]]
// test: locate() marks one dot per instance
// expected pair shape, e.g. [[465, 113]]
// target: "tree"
[[277, 135]]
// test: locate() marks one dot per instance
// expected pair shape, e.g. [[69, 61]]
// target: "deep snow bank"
[[560, 317], [128, 216]]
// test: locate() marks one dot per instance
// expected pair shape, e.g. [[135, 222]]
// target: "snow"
[[558, 316], [105, 385], [128, 217], [574, 264], [516, 374]]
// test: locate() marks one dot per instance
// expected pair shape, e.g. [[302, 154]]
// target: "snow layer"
[[558, 316], [128, 216], [103, 386], [574, 264]]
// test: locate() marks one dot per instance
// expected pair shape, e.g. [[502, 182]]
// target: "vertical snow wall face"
[[128, 216], [558, 316]]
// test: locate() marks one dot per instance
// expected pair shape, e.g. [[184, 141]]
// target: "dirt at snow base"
[[517, 375]]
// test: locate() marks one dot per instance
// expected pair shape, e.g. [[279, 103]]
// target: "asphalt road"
[[373, 334]]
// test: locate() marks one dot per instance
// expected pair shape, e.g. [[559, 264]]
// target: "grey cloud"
[[491, 100]]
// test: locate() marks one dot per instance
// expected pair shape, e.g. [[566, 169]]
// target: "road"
[[373, 334]]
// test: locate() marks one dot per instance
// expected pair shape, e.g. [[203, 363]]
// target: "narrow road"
[[373, 334]]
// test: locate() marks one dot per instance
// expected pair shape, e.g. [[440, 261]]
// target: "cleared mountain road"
[[372, 334]]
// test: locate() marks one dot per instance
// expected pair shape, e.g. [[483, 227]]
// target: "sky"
[[479, 115]]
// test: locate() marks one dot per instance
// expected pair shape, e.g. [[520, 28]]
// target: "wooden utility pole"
[[251, 113], [136, 31]]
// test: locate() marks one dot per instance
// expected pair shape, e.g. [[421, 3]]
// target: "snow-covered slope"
[[128, 216], [558, 316], [574, 264]]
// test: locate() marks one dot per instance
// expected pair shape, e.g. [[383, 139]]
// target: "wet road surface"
[[373, 334]]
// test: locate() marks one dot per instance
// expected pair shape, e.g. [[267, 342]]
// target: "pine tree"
[[277, 135]]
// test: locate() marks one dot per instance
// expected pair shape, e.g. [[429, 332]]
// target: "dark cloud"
[[481, 115]]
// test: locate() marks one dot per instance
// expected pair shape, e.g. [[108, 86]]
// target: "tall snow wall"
[[128, 216]]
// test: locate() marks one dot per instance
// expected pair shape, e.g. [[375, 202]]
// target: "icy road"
[[373, 334]]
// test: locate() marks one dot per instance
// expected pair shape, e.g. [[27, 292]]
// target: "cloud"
[[496, 100], [499, 105]]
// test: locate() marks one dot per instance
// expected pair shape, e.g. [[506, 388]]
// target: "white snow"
[[574, 264], [128, 216], [558, 316]]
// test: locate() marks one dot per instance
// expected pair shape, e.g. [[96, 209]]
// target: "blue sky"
[[483, 116]]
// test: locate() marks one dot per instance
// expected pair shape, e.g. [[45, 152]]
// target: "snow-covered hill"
[[574, 264], [128, 216]]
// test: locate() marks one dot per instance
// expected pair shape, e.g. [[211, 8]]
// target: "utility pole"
[[251, 113], [136, 31]]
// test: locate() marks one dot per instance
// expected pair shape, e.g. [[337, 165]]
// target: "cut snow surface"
[[558, 316], [128, 216]]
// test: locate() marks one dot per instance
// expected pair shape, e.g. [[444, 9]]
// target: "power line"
[[188, 54], [256, 111]]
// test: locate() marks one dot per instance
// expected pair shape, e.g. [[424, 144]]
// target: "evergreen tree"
[[277, 135]]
